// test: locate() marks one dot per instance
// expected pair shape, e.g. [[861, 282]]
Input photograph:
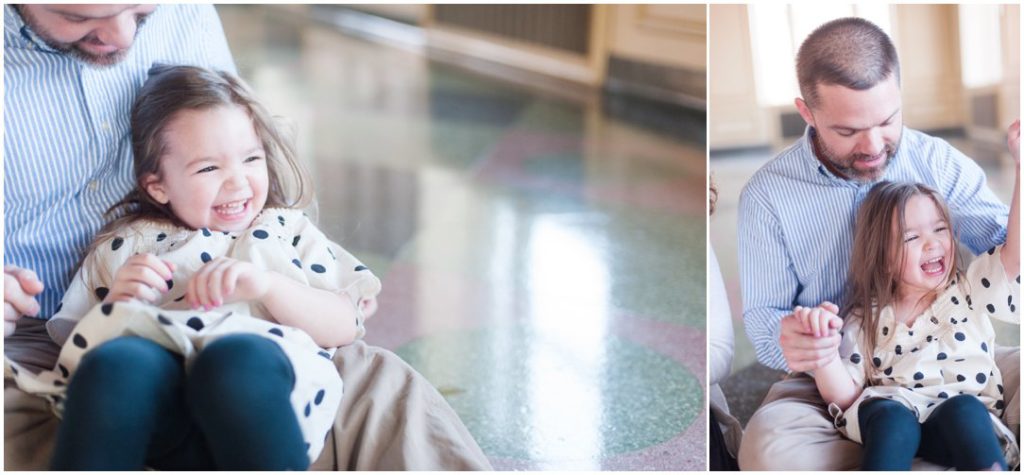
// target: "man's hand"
[[1013, 140], [20, 288], [802, 350]]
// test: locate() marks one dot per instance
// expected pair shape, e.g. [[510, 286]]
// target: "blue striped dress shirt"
[[796, 223], [67, 146]]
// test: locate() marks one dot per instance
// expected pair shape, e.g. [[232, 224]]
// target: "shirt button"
[[94, 185], [105, 126]]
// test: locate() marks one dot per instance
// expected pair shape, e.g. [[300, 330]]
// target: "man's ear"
[[804, 110], [151, 183]]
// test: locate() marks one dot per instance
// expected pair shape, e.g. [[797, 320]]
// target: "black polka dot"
[[58, 383], [952, 320], [162, 319], [955, 300], [195, 323], [981, 378], [991, 308], [930, 404], [205, 256], [910, 333], [876, 361], [307, 410], [280, 219], [319, 269], [899, 349], [160, 237], [918, 385], [79, 341], [206, 232], [1000, 405], [319, 397], [1018, 278], [329, 251], [959, 336], [359, 268], [969, 303], [276, 331], [101, 292], [1013, 308], [297, 263], [985, 283], [116, 244], [885, 331], [324, 354], [960, 378], [963, 320], [1000, 388], [170, 284], [943, 395], [929, 339], [888, 371], [179, 299], [855, 358], [991, 251], [63, 370], [984, 347], [959, 360], [918, 376], [260, 234], [107, 308], [941, 356], [14, 370], [295, 241]]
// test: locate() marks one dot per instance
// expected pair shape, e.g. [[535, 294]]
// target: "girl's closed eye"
[[206, 169], [253, 159], [909, 237]]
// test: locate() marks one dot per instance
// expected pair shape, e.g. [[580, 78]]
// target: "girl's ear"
[[151, 183]]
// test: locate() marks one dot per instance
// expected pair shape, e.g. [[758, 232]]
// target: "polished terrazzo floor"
[[542, 258]]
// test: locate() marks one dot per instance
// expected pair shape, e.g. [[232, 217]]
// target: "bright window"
[[980, 50]]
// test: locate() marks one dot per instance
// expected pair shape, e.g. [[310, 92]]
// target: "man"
[[71, 74], [796, 230]]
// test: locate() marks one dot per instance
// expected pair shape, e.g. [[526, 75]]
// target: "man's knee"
[[795, 435]]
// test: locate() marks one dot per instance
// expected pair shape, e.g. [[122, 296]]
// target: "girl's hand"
[[1013, 140], [225, 280], [143, 277], [820, 321]]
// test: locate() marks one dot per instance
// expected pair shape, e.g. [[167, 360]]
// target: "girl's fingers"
[[815, 325]]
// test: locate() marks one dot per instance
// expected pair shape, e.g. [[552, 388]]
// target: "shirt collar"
[[16, 29]]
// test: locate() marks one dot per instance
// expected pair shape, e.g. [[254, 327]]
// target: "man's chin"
[[99, 60]]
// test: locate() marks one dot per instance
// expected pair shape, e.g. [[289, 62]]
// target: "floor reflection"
[[542, 258]]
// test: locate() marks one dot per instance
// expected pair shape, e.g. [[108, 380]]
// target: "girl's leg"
[[890, 433], [959, 433], [125, 405], [239, 391]]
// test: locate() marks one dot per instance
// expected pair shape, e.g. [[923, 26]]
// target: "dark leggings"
[[958, 433], [131, 405]]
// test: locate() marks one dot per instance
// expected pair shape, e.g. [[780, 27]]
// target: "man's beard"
[[73, 49], [844, 165]]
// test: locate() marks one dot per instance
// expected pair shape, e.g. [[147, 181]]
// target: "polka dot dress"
[[284, 241], [947, 351]]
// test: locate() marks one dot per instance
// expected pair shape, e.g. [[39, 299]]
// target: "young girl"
[[215, 303], [916, 373]]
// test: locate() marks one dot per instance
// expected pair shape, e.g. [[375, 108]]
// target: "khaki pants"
[[390, 418], [793, 431]]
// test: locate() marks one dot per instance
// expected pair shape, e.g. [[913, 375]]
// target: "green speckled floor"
[[542, 259]]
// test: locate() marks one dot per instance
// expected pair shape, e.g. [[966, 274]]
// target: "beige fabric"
[[793, 431], [391, 418]]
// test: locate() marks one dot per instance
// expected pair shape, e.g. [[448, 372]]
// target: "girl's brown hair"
[[172, 89], [878, 254]]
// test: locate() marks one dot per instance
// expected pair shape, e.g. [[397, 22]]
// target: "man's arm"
[[980, 218], [770, 285]]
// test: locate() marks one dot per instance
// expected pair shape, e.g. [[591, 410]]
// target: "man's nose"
[[871, 142], [119, 31]]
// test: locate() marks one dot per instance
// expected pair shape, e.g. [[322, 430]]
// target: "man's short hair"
[[848, 52]]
